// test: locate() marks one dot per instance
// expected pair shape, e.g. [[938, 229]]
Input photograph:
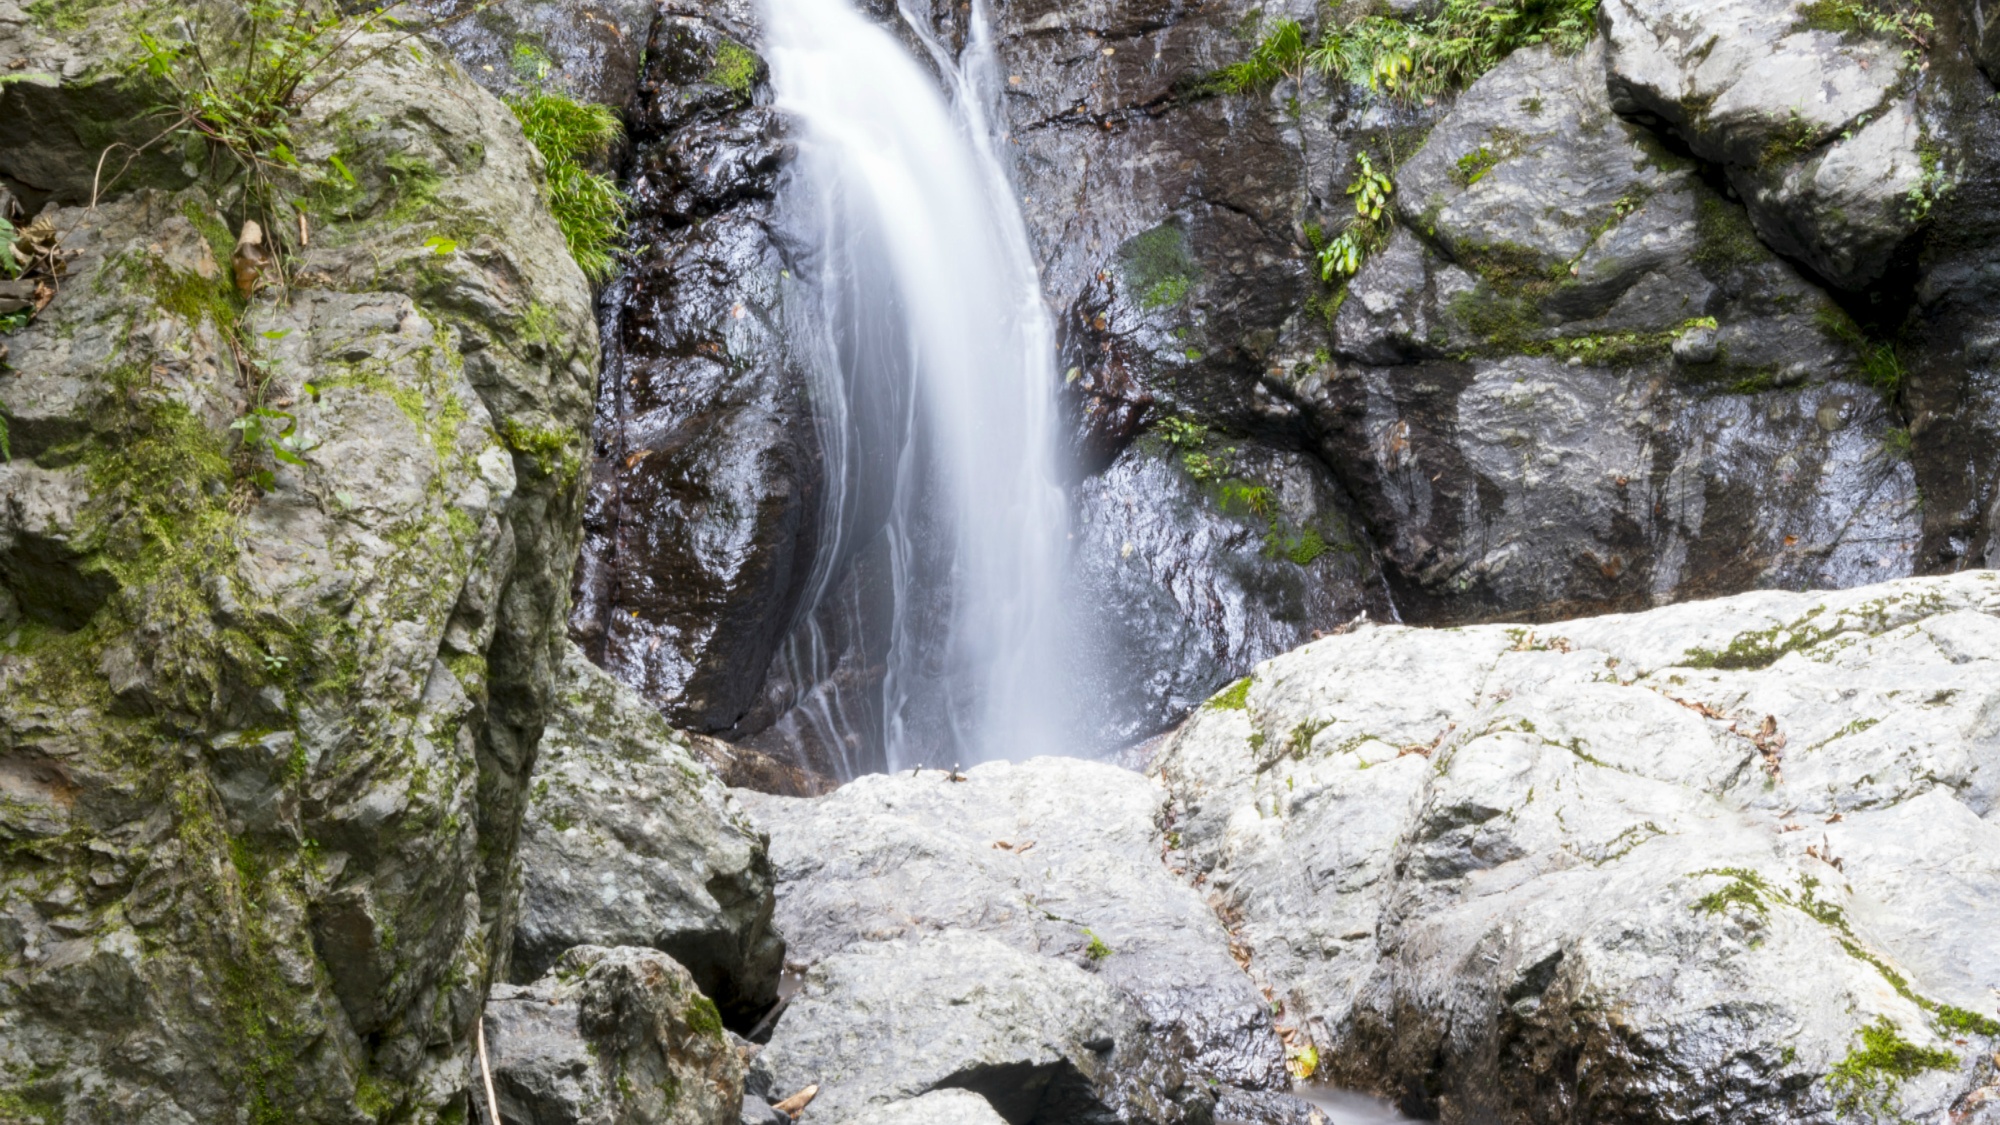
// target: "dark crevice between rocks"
[[1029, 1094]]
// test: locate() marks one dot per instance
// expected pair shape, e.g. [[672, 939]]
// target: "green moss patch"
[[1235, 697], [1868, 1078]]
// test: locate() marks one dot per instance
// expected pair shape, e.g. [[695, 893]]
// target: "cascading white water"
[[934, 392]]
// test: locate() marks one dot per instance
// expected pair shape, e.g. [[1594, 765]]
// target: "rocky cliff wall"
[[267, 721]]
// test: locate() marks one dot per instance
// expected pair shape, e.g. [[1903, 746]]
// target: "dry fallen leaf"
[[251, 259], [791, 1106]]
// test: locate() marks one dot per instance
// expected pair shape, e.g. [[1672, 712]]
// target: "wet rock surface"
[[592, 52], [1182, 583], [630, 840], [1579, 381], [702, 518], [266, 724], [617, 1036], [1028, 882], [1715, 862]]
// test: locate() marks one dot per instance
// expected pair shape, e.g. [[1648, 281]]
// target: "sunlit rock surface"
[[1726, 861], [1013, 888]]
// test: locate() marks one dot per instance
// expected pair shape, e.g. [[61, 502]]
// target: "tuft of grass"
[[1852, 19], [1746, 888], [1881, 365], [587, 205], [1280, 54], [1096, 950]]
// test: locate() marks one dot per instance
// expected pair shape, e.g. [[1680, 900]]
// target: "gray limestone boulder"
[[630, 840], [611, 1037], [1727, 861], [1059, 863], [1810, 113], [266, 723], [1039, 1038]]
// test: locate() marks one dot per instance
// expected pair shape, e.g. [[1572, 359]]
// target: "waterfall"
[[920, 315]]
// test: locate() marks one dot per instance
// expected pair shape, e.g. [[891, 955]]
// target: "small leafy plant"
[[1341, 259], [236, 80]]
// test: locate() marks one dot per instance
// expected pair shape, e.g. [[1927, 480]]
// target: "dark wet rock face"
[[588, 50], [702, 514]]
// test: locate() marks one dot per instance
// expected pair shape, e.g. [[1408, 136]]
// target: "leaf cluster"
[[1370, 189]]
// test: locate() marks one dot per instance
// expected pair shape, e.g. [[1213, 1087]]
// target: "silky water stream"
[[918, 311]]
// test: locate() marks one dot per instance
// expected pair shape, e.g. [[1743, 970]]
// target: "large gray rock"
[[1815, 124], [1039, 1038], [1055, 857], [1573, 379], [611, 1037], [1724, 861], [630, 840], [266, 738]]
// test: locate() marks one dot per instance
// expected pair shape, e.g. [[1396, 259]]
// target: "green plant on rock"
[[587, 205], [1907, 23], [1473, 166], [1096, 950], [1933, 183], [1880, 363], [1235, 697], [1282, 53], [1158, 269], [1367, 231], [238, 77], [1422, 57]]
